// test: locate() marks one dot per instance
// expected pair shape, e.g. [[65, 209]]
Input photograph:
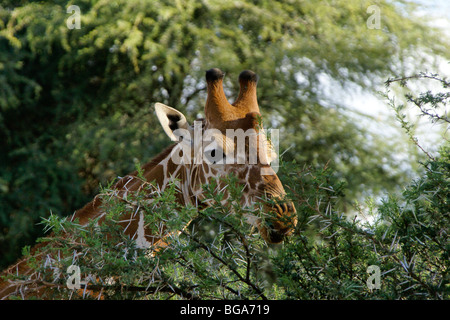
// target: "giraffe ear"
[[171, 120]]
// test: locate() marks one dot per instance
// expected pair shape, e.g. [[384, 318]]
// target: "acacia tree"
[[84, 96], [329, 256]]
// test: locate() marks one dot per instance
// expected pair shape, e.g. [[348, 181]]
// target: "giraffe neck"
[[153, 182], [157, 173]]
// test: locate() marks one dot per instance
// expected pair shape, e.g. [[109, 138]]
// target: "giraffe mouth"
[[279, 223]]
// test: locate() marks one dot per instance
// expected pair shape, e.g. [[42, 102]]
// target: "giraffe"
[[192, 162]]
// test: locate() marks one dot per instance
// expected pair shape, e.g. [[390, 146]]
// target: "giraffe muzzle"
[[279, 222]]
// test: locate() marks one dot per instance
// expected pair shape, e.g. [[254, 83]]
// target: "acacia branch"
[[233, 270]]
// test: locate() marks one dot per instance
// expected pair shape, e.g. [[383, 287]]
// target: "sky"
[[436, 7], [360, 101]]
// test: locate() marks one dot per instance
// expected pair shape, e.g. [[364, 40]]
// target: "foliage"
[[328, 257], [190, 265], [408, 241], [76, 105]]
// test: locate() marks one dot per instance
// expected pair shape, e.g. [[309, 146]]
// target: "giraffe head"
[[231, 140]]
